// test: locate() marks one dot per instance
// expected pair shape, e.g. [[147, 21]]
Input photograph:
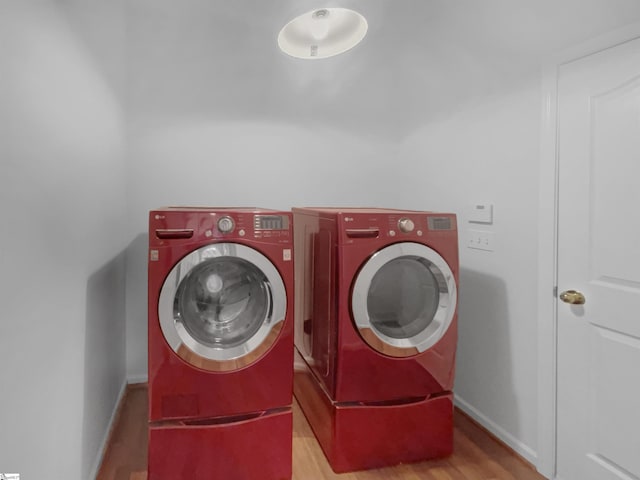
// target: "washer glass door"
[[404, 299], [222, 306]]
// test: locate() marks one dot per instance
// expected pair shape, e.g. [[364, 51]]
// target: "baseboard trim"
[[138, 378], [495, 430], [109, 431]]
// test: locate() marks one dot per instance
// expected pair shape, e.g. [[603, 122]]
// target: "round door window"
[[221, 306], [404, 299]]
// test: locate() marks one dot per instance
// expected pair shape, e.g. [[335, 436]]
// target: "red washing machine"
[[220, 344], [376, 333]]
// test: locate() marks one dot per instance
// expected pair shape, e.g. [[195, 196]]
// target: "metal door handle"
[[573, 297]]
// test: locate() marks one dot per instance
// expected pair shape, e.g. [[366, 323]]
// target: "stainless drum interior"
[[222, 302], [404, 299]]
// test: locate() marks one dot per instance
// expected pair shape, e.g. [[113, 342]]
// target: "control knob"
[[406, 225], [226, 224]]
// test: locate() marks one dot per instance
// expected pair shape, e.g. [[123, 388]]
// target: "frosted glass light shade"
[[322, 33]]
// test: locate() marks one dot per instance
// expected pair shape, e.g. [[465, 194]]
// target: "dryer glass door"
[[404, 299], [222, 306]]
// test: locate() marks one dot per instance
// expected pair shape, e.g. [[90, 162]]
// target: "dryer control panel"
[[400, 226]]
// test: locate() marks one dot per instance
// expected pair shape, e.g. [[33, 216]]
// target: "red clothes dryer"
[[220, 344], [376, 332]]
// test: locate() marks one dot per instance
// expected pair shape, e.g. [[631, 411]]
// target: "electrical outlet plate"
[[480, 240]]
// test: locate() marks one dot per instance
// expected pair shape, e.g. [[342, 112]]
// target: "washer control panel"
[[192, 224], [270, 222]]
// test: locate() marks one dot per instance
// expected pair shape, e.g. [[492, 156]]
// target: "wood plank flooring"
[[477, 455]]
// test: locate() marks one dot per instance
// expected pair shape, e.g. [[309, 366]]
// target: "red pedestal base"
[[364, 436], [250, 448]]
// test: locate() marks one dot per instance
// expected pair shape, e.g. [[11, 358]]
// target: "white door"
[[599, 258]]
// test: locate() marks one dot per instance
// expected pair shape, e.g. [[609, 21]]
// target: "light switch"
[[480, 213]]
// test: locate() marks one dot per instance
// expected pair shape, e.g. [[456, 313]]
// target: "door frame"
[[548, 240]]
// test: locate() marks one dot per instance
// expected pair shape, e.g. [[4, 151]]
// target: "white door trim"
[[547, 240]]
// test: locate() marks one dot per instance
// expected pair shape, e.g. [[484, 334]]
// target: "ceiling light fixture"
[[322, 33]]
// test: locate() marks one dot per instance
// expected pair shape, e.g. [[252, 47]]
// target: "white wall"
[[62, 204], [489, 152]]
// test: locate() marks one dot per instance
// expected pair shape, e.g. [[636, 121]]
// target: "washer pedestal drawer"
[[249, 447], [361, 436]]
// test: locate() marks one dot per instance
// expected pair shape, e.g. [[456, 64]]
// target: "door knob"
[[573, 297]]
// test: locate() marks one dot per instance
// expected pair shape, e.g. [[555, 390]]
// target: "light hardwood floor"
[[477, 455]]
